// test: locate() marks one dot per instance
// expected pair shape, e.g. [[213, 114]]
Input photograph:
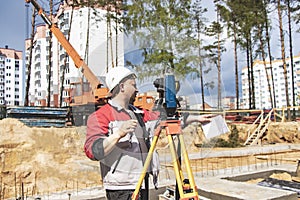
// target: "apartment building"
[[89, 37], [261, 88], [11, 77], [39, 65]]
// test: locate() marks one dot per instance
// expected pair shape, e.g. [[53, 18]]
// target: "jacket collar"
[[130, 107]]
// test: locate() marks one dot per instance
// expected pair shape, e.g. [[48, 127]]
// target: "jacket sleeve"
[[150, 115], [97, 130]]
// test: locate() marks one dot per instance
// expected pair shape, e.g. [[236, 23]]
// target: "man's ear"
[[121, 85]]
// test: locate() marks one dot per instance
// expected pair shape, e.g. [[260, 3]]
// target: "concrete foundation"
[[234, 187]]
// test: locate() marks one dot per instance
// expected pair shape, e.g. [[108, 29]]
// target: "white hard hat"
[[116, 75]]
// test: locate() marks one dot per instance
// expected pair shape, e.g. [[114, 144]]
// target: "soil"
[[47, 160]]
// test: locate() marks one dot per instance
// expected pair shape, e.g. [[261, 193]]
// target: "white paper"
[[216, 127]]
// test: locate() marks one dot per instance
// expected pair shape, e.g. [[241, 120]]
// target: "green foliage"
[[295, 9], [165, 32]]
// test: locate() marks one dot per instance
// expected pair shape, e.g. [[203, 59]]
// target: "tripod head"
[[167, 103]]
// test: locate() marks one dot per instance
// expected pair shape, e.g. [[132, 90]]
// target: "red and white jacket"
[[121, 168]]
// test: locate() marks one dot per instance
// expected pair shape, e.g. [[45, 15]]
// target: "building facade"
[[38, 70], [11, 77], [89, 37], [261, 86]]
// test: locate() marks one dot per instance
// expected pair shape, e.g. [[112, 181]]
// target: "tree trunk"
[[200, 66], [86, 53], [62, 88], [236, 69], [249, 75], [291, 56], [50, 59], [107, 42], [219, 68], [252, 72], [270, 55], [110, 37], [117, 28], [283, 59], [265, 64], [27, 103]]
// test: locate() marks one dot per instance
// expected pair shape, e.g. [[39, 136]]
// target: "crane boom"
[[78, 61], [99, 93]]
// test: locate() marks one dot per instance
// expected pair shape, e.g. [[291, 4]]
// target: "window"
[[67, 69]]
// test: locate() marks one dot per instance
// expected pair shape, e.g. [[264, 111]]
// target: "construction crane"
[[84, 100], [98, 93]]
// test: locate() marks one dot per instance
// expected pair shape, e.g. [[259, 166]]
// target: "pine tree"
[[163, 30]]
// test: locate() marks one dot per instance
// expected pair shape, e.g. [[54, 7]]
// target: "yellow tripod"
[[186, 187]]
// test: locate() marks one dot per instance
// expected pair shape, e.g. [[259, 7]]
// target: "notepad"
[[216, 127]]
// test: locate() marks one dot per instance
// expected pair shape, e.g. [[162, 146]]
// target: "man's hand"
[[203, 119], [127, 127]]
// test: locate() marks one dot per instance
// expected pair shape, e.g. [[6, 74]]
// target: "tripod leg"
[[177, 169], [188, 166], [145, 168], [177, 195]]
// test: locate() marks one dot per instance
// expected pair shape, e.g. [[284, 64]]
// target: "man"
[[117, 137]]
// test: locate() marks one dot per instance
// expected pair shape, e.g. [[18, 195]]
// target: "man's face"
[[130, 89]]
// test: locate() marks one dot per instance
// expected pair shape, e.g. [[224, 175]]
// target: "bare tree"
[[283, 59], [30, 57], [50, 58], [65, 60], [199, 26], [291, 54], [269, 51]]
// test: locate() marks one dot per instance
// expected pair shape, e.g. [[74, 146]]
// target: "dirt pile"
[[43, 160], [47, 160]]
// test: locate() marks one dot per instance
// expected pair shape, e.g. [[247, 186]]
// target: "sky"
[[15, 23]]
